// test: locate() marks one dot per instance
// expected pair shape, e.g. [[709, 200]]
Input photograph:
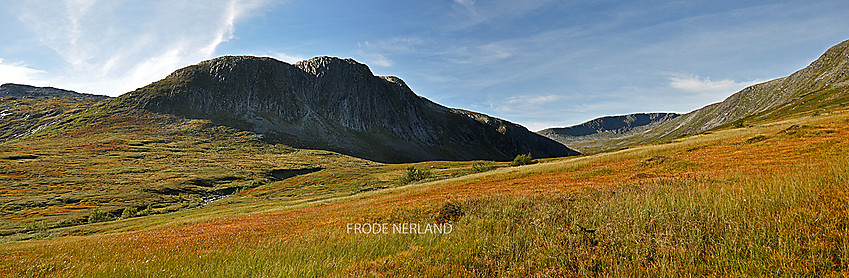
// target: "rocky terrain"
[[335, 104]]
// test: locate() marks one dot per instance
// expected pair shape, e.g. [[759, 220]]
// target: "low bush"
[[480, 167], [97, 215], [414, 175], [522, 159], [129, 213]]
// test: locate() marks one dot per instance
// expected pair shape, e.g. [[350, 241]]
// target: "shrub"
[[414, 175], [38, 226], [756, 139], [449, 212], [129, 212], [480, 167], [522, 159], [147, 211], [97, 215]]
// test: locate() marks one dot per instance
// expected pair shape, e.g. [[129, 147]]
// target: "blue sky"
[[538, 63]]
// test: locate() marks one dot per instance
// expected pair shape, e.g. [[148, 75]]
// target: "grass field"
[[765, 200], [153, 164]]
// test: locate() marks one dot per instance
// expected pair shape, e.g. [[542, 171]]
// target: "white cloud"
[[695, 83], [532, 100], [378, 59], [112, 47], [522, 105], [286, 57], [540, 125], [467, 4], [371, 56], [20, 73], [472, 13]]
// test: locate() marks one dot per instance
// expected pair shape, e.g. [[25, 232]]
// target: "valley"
[[292, 154]]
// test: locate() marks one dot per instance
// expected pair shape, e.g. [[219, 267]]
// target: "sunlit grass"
[[708, 205], [791, 225]]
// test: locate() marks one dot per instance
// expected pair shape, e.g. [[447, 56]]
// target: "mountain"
[[335, 104], [583, 135], [27, 91], [820, 87], [26, 109]]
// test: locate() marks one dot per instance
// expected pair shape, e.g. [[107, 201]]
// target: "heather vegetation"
[[716, 204]]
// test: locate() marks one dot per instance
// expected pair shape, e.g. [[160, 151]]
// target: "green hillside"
[[819, 88]]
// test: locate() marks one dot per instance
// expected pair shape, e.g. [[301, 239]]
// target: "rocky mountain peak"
[[335, 104], [326, 65]]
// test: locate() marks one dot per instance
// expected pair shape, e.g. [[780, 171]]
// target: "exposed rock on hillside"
[[335, 104]]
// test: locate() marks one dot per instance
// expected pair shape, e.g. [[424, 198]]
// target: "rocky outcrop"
[[335, 104]]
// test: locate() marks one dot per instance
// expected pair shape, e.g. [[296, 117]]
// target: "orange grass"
[[720, 156]]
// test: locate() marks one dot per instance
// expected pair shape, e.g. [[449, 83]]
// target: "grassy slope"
[[769, 199], [113, 158], [22, 116], [821, 87]]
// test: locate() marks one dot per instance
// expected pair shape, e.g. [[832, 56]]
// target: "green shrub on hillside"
[[147, 211], [522, 159], [414, 175], [129, 213], [480, 167], [97, 215]]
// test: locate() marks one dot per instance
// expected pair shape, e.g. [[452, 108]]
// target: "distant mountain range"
[[821, 86], [594, 131], [27, 91]]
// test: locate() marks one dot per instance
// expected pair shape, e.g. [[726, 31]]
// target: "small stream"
[[212, 199]]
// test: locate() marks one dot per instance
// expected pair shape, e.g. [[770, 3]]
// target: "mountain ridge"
[[335, 104], [822, 85], [22, 90]]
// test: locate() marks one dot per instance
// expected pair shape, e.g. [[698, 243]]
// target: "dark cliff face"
[[335, 104]]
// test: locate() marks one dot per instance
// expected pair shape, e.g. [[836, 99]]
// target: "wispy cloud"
[[695, 83], [377, 59], [522, 105], [291, 59], [108, 50], [20, 73], [531, 100], [473, 13], [468, 4], [373, 54]]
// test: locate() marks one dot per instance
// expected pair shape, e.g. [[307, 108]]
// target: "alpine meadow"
[[257, 166]]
